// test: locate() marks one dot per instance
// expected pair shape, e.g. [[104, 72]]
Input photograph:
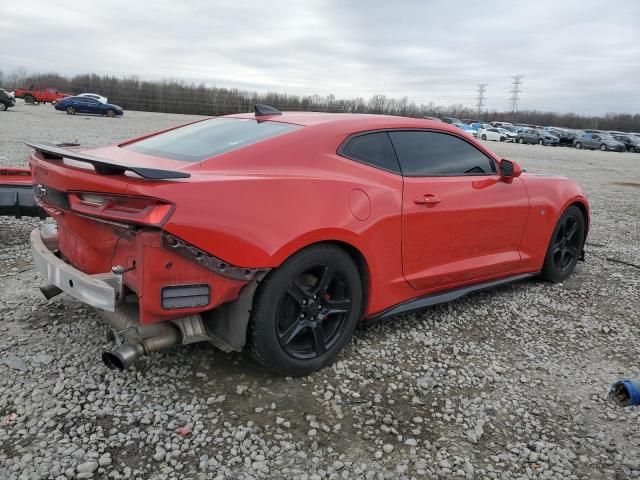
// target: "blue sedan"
[[73, 105]]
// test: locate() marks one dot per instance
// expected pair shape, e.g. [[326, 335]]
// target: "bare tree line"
[[177, 96]]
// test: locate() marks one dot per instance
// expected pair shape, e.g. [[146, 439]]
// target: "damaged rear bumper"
[[102, 291]]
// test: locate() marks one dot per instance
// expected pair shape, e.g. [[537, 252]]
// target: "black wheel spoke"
[[338, 306], [293, 331], [297, 293], [324, 281], [318, 338], [571, 231]]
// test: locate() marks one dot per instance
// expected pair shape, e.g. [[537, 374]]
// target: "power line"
[[482, 88], [515, 91]]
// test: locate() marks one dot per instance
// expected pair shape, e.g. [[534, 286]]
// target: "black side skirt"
[[446, 296]]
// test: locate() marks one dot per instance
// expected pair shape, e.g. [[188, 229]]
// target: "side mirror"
[[509, 169]]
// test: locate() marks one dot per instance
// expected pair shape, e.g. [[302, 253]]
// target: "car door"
[[93, 106], [594, 141], [461, 221]]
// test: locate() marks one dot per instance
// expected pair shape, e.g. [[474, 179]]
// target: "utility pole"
[[515, 91], [482, 88]]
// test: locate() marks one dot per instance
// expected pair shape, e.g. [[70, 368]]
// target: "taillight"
[[141, 210]]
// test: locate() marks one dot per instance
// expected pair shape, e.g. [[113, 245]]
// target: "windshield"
[[202, 140]]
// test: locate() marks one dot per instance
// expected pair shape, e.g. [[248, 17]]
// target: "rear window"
[[209, 138]]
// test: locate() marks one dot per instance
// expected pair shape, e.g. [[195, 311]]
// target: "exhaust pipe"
[[138, 340], [625, 393]]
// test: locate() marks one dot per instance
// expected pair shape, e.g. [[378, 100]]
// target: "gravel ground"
[[507, 384]]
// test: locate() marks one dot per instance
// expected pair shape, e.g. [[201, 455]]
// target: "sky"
[[578, 56]]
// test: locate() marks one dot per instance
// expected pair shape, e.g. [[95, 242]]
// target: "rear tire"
[[305, 311], [521, 141], [540, 142], [632, 149], [565, 246], [578, 145], [484, 137]]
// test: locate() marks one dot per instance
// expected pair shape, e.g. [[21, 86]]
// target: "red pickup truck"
[[35, 94]]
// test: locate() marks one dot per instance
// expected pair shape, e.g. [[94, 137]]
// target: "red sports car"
[[280, 232]]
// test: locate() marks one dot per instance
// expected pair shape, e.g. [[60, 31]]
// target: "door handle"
[[428, 199]]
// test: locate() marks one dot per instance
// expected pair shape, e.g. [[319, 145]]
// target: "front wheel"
[[3, 107], [603, 148], [540, 142], [632, 149], [502, 139], [110, 113], [71, 111], [484, 137], [521, 140], [565, 246], [578, 145], [305, 311]]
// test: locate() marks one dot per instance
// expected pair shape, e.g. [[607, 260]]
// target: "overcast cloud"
[[575, 55]]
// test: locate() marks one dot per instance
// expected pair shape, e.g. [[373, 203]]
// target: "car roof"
[[350, 121]]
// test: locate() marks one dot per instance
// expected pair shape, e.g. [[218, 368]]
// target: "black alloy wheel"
[[110, 113], [306, 310], [566, 245], [313, 313]]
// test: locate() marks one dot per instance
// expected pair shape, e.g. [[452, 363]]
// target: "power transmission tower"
[[515, 91], [482, 88]]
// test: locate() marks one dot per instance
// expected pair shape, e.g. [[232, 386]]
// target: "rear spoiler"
[[103, 166]]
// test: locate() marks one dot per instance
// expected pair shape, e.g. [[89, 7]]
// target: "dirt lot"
[[507, 384]]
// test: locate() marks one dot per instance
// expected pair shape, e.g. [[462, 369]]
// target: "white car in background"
[[493, 133], [95, 96], [511, 137]]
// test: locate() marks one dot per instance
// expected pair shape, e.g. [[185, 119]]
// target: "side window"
[[423, 154], [374, 149]]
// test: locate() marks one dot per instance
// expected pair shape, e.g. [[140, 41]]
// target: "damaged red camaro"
[[279, 232]]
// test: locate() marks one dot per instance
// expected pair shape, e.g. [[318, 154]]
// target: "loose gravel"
[[506, 384]]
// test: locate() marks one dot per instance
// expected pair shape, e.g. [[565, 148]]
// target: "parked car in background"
[[511, 137], [467, 128], [593, 141], [631, 142], [501, 124], [95, 96], [434, 119], [451, 120], [6, 100], [492, 133], [207, 252], [73, 105], [35, 94], [480, 126], [565, 137], [541, 137]]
